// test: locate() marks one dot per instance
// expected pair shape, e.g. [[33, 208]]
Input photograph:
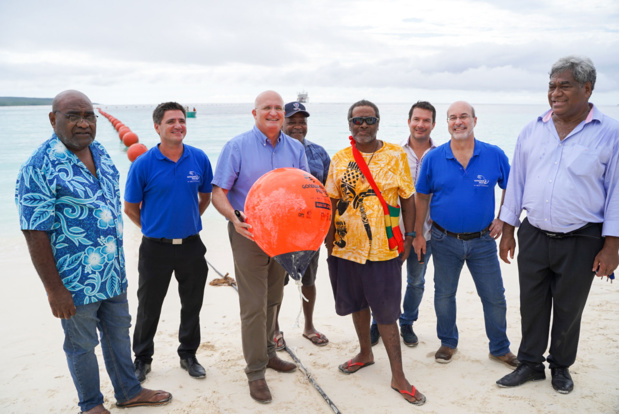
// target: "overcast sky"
[[121, 52]]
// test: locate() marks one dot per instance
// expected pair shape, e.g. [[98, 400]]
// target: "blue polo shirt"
[[463, 199], [168, 191], [249, 156]]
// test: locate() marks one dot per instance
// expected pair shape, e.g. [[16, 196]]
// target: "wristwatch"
[[412, 234]]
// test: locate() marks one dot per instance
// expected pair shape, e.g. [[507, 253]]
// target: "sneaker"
[[408, 335], [374, 334]]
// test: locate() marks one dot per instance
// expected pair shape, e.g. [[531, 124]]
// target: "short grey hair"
[[581, 67]]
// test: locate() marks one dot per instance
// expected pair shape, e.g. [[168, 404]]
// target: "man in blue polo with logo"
[[461, 175], [168, 189]]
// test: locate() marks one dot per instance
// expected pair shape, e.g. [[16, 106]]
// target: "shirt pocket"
[[590, 162]]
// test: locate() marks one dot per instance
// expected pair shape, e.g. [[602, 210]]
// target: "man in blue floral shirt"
[[69, 207]]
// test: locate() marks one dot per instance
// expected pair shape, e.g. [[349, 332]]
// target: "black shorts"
[[377, 285]]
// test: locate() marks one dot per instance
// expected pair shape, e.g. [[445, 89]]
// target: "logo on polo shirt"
[[193, 177], [481, 181]]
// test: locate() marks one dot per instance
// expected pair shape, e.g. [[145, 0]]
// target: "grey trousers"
[[260, 280]]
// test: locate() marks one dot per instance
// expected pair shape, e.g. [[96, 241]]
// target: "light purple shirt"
[[249, 156], [563, 185], [415, 165]]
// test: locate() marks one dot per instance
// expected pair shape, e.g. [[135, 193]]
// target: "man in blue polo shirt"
[[243, 160], [168, 189], [461, 176]]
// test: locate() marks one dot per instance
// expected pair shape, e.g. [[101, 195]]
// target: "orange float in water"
[[130, 138], [290, 213], [135, 151]]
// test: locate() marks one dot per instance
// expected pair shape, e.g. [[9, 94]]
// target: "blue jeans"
[[415, 285], [481, 258], [111, 317]]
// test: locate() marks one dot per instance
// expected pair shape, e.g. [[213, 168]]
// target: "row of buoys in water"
[[128, 137]]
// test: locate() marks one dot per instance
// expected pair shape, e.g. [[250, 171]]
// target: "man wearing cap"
[[295, 126]]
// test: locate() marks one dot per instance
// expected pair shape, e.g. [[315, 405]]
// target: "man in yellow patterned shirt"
[[365, 274]]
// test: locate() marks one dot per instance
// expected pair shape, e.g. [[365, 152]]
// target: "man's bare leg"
[[391, 340]]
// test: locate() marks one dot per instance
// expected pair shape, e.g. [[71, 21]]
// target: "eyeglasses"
[[91, 118], [462, 117], [359, 120]]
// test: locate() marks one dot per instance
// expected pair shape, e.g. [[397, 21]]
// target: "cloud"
[[196, 49]]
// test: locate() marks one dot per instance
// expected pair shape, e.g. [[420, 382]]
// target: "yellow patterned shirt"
[[360, 233]]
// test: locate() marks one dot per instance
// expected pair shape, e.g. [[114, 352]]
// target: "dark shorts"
[[377, 285], [309, 277]]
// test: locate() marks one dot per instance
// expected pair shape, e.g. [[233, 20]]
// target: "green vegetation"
[[19, 101]]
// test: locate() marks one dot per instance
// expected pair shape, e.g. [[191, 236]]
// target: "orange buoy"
[[135, 151], [290, 213], [122, 131], [130, 138]]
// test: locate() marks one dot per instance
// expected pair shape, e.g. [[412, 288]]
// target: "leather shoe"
[[509, 359], [141, 369], [259, 391], [562, 380], [444, 354], [524, 373], [192, 366], [374, 334], [280, 365]]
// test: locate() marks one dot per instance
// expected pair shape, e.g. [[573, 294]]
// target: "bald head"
[[73, 120], [68, 95], [269, 114], [267, 95], [471, 110]]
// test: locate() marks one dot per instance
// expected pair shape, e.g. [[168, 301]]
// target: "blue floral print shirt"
[[81, 214]]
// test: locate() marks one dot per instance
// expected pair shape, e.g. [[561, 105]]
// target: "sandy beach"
[[35, 378]]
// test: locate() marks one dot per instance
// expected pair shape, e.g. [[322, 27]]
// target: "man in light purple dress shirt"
[[565, 174], [243, 160]]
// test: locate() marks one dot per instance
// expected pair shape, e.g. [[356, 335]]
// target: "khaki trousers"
[[260, 280]]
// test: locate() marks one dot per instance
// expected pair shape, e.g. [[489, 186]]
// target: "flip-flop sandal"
[[317, 339], [280, 343], [147, 399], [345, 368], [412, 394]]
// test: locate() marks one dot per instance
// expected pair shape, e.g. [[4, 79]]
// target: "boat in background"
[[190, 114], [302, 97]]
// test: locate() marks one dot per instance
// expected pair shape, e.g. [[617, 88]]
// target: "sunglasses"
[[359, 120]]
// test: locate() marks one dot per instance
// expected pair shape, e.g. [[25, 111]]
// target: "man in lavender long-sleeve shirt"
[[243, 160], [565, 174]]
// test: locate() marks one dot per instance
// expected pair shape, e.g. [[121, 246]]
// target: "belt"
[[554, 235], [463, 236], [172, 241]]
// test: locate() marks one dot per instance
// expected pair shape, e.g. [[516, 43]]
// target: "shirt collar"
[[159, 155], [405, 143], [594, 113], [264, 139], [450, 155]]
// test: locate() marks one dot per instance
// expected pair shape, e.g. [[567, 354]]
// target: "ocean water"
[[23, 128]]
